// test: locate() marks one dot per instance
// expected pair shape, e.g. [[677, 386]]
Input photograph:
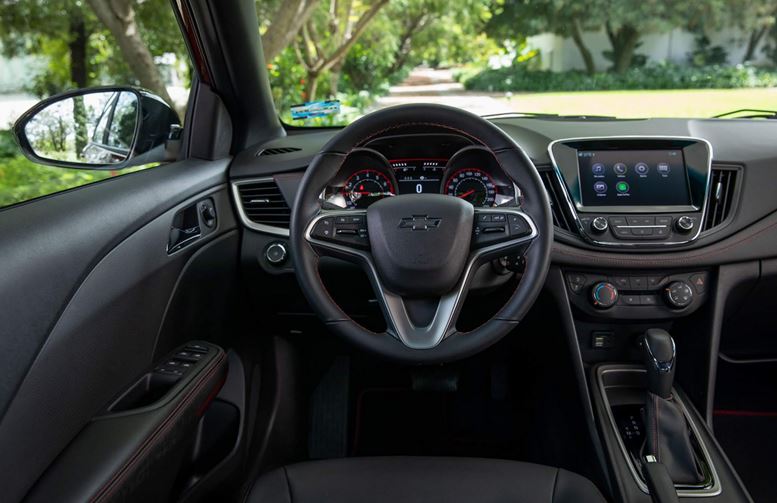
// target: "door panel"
[[86, 285]]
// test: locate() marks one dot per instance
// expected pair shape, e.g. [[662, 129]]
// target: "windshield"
[[333, 61]]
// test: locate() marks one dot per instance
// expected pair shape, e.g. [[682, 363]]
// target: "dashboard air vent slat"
[[263, 203], [278, 150], [560, 219], [721, 197]]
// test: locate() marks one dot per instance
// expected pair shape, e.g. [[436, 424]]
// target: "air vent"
[[263, 203], [556, 197], [278, 150], [721, 197]]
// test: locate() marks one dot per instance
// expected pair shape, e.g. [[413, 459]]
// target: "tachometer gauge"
[[473, 185], [365, 187]]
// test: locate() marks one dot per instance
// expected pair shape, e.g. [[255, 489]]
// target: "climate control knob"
[[679, 294], [599, 225], [604, 295]]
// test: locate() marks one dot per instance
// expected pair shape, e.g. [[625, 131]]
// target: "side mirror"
[[97, 128]]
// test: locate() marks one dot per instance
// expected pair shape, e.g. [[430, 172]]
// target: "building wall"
[[560, 54]]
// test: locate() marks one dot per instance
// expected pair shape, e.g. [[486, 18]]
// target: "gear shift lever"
[[668, 439], [659, 356]]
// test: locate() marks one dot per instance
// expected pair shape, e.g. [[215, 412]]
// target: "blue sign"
[[312, 109]]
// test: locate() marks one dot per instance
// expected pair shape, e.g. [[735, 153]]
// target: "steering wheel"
[[420, 251]]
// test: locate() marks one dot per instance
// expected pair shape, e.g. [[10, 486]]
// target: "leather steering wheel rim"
[[534, 207]]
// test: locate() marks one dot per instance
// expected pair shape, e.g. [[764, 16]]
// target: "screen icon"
[[600, 187], [641, 168], [619, 168], [598, 168], [622, 187], [663, 168]]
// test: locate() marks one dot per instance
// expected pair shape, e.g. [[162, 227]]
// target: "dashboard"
[[420, 164], [644, 211], [735, 225]]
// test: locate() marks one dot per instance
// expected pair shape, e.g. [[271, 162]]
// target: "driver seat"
[[422, 479]]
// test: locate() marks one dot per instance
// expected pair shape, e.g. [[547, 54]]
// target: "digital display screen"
[[418, 176], [633, 178]]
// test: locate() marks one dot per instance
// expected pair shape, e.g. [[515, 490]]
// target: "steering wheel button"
[[518, 226], [484, 217], [499, 217], [324, 228]]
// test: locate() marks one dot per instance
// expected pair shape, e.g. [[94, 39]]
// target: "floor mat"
[[750, 441], [404, 422]]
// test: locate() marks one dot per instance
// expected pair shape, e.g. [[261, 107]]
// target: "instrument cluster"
[[471, 173]]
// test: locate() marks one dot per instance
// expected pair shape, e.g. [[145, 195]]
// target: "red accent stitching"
[[120, 474]]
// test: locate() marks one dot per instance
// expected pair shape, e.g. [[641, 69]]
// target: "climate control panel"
[[637, 296]]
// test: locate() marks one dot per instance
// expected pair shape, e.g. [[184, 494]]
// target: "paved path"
[[427, 85]]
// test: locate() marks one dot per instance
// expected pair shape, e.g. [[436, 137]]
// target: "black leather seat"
[[422, 479]]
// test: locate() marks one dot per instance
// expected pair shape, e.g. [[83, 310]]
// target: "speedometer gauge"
[[365, 187], [473, 185]]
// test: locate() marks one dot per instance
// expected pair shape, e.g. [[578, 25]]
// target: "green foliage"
[[48, 28], [660, 76], [705, 54], [21, 179]]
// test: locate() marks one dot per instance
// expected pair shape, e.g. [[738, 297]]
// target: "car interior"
[[424, 306]]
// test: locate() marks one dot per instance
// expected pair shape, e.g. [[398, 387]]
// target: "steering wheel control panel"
[[635, 192], [637, 296]]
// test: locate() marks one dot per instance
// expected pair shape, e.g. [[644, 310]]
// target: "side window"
[[50, 47]]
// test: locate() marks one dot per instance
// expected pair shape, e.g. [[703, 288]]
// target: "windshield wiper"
[[541, 115], [752, 113]]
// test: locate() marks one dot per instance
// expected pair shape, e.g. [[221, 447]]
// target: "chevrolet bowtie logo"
[[419, 223]]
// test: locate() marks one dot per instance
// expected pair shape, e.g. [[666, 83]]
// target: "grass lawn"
[[674, 103]]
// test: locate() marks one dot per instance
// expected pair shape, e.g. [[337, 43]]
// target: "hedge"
[[660, 76]]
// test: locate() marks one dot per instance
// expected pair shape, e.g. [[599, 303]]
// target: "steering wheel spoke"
[[421, 323]]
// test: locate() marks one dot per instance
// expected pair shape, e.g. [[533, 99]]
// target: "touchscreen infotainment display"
[[633, 178]]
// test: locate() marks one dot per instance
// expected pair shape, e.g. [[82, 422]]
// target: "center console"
[[637, 192], [659, 447]]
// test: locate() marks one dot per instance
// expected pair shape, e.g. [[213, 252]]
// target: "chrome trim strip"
[[703, 492], [269, 229], [643, 244], [392, 305]]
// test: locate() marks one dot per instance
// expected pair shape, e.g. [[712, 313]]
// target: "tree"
[[60, 29], [284, 25], [118, 16], [567, 18], [626, 21], [754, 17], [329, 35]]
